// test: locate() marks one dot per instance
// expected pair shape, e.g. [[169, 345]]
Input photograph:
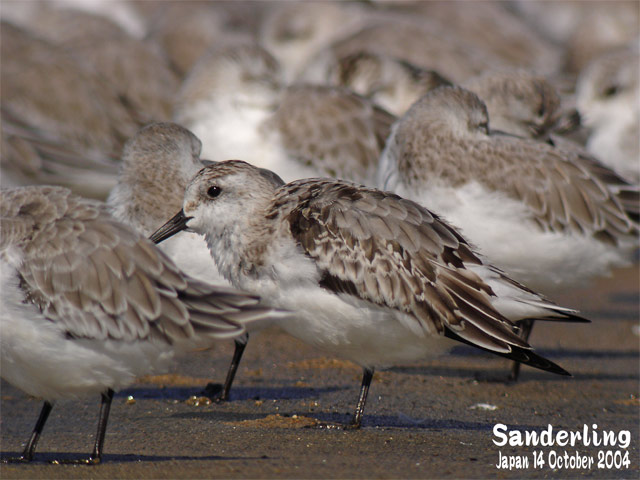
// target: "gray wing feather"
[[334, 128], [565, 190], [101, 279], [394, 253]]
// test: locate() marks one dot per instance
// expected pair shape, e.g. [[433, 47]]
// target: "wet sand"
[[434, 419]]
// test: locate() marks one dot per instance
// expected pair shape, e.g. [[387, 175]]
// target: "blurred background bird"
[[308, 88]]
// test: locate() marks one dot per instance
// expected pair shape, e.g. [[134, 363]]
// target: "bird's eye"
[[610, 91], [214, 191]]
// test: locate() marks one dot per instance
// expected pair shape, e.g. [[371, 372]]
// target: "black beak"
[[169, 229], [206, 163]]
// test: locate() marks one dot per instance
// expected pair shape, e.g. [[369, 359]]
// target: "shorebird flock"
[[381, 180]]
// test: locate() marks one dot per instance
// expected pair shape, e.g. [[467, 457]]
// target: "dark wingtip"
[[537, 361], [519, 354], [173, 226], [567, 317], [575, 319]]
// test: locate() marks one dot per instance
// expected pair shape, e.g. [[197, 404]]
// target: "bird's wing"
[[394, 253], [101, 279], [333, 127], [35, 157], [564, 190]]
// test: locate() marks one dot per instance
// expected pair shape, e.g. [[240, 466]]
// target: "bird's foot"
[[334, 426], [80, 461], [215, 392], [20, 459], [488, 378]]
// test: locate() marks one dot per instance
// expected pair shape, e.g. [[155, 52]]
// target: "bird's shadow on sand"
[[528, 373], [369, 421], [236, 394], [404, 421], [66, 458], [555, 353], [500, 375]]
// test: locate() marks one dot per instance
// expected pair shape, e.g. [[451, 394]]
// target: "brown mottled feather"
[[101, 279], [62, 122], [565, 190], [334, 128], [397, 255]]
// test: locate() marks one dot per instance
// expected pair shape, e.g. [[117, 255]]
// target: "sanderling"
[[423, 43], [518, 102], [555, 19], [584, 30], [493, 28], [235, 102], [369, 276], [136, 69], [52, 22], [526, 104], [604, 26], [185, 32], [549, 217], [61, 123], [390, 82], [89, 304], [157, 164], [608, 98], [295, 31], [120, 13]]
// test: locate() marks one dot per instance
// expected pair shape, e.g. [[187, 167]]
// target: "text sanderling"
[[563, 449]]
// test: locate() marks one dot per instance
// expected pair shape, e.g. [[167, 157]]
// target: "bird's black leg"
[[241, 343], [525, 331], [30, 448], [356, 422], [105, 407], [96, 456]]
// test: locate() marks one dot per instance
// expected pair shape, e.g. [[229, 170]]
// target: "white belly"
[[502, 231], [354, 329], [37, 357]]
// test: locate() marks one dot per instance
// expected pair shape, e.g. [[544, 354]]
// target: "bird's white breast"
[[37, 356], [503, 230], [342, 324]]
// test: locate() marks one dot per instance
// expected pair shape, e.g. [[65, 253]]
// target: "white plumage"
[[88, 304], [369, 276]]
